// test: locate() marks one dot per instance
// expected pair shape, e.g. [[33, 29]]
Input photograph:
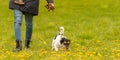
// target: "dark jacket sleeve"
[[12, 5], [50, 1]]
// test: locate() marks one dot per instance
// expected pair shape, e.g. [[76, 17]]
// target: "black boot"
[[18, 46], [27, 44]]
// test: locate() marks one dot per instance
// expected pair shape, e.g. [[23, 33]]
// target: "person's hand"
[[50, 6]]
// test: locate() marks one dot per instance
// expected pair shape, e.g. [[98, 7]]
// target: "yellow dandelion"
[[44, 42], [118, 51], [91, 55], [105, 48], [1, 56], [106, 55], [67, 53], [77, 44], [40, 54], [100, 55], [74, 54], [83, 58], [118, 55], [64, 58], [112, 56], [42, 49], [81, 53], [21, 55], [52, 58], [58, 55], [113, 50], [1, 47], [53, 52], [22, 59], [44, 52], [98, 41], [94, 53]]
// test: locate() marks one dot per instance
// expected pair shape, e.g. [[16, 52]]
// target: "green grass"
[[92, 25]]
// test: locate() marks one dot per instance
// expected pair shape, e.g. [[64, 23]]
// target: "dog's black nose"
[[67, 48]]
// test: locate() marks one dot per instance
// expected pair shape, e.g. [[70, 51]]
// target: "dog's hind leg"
[[53, 48]]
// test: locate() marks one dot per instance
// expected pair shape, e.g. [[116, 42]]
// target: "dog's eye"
[[64, 43]]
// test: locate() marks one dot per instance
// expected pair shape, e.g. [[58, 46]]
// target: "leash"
[[55, 18], [50, 8]]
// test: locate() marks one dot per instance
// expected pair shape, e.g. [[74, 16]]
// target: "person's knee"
[[17, 24], [29, 25]]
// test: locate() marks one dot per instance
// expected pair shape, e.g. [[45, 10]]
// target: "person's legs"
[[17, 28], [29, 27]]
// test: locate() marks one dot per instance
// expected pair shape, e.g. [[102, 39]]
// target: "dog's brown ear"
[[69, 41], [61, 41]]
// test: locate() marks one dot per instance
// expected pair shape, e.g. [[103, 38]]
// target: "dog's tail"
[[61, 30]]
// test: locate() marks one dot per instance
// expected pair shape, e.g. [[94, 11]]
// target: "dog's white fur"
[[56, 45]]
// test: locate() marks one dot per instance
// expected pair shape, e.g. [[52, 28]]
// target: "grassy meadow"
[[93, 26]]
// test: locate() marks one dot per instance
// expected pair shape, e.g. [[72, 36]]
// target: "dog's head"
[[65, 43]]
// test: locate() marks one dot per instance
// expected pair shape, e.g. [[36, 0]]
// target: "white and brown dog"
[[60, 41]]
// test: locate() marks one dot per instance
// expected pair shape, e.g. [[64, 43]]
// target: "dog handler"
[[29, 9]]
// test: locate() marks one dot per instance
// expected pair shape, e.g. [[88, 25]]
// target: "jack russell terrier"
[[60, 41]]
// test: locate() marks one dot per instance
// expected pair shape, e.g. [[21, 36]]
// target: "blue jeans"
[[17, 25]]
